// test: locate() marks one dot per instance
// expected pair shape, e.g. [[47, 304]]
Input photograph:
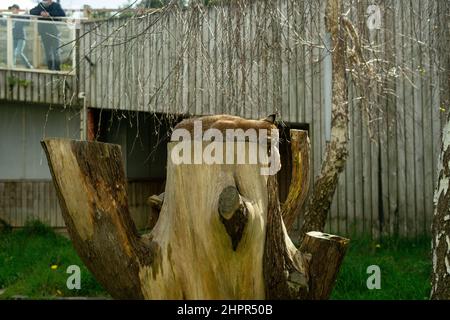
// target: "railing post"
[[327, 84], [9, 43], [83, 118], [75, 33], [36, 43]]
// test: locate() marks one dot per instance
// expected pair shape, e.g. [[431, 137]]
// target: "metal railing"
[[34, 44]]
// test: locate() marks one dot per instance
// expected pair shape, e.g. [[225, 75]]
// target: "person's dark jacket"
[[54, 10]]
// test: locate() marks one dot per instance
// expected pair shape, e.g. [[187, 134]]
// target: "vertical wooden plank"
[[44, 203], [260, 31], [23, 200], [198, 59], [359, 175], [427, 109], [300, 70], [244, 71], [80, 63], [116, 66], [389, 138], [125, 64], [240, 61], [307, 111], [228, 58], [400, 224], [21, 88], [53, 205], [171, 50], [102, 91], [315, 88], [145, 66], [3, 213], [375, 144], [435, 91], [434, 102], [121, 62], [292, 66], [286, 56], [15, 87], [254, 61], [28, 91], [139, 65], [3, 85], [208, 34], [57, 84], [367, 185], [410, 120], [38, 200], [29, 201], [417, 23], [10, 200], [35, 201], [41, 199], [128, 59], [350, 168], [18, 202]]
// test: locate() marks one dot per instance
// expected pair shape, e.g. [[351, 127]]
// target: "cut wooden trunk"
[[220, 233], [322, 276], [298, 190]]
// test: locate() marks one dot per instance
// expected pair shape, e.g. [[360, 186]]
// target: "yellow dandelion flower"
[[54, 266]]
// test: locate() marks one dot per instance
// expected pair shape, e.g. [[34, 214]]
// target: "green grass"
[[405, 270], [26, 257]]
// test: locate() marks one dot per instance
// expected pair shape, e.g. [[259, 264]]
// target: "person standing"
[[47, 9], [19, 39]]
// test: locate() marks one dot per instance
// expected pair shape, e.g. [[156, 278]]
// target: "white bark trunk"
[[441, 224]]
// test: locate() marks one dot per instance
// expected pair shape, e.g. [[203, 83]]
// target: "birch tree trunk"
[[441, 224], [336, 150]]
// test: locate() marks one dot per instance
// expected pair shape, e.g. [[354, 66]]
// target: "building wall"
[[26, 189], [22, 127]]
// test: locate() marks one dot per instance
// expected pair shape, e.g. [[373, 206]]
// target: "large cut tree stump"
[[219, 235]]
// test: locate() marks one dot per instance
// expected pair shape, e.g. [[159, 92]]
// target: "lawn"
[[34, 260], [33, 263], [405, 267]]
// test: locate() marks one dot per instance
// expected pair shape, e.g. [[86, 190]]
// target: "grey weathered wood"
[[36, 199], [36, 87], [276, 66]]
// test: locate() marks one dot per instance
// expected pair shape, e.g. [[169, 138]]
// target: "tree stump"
[[322, 276], [220, 233]]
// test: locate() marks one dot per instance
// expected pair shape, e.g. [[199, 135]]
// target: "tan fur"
[[223, 122]]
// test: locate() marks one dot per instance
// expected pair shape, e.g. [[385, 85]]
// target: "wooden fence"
[[36, 200], [255, 57], [38, 87]]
